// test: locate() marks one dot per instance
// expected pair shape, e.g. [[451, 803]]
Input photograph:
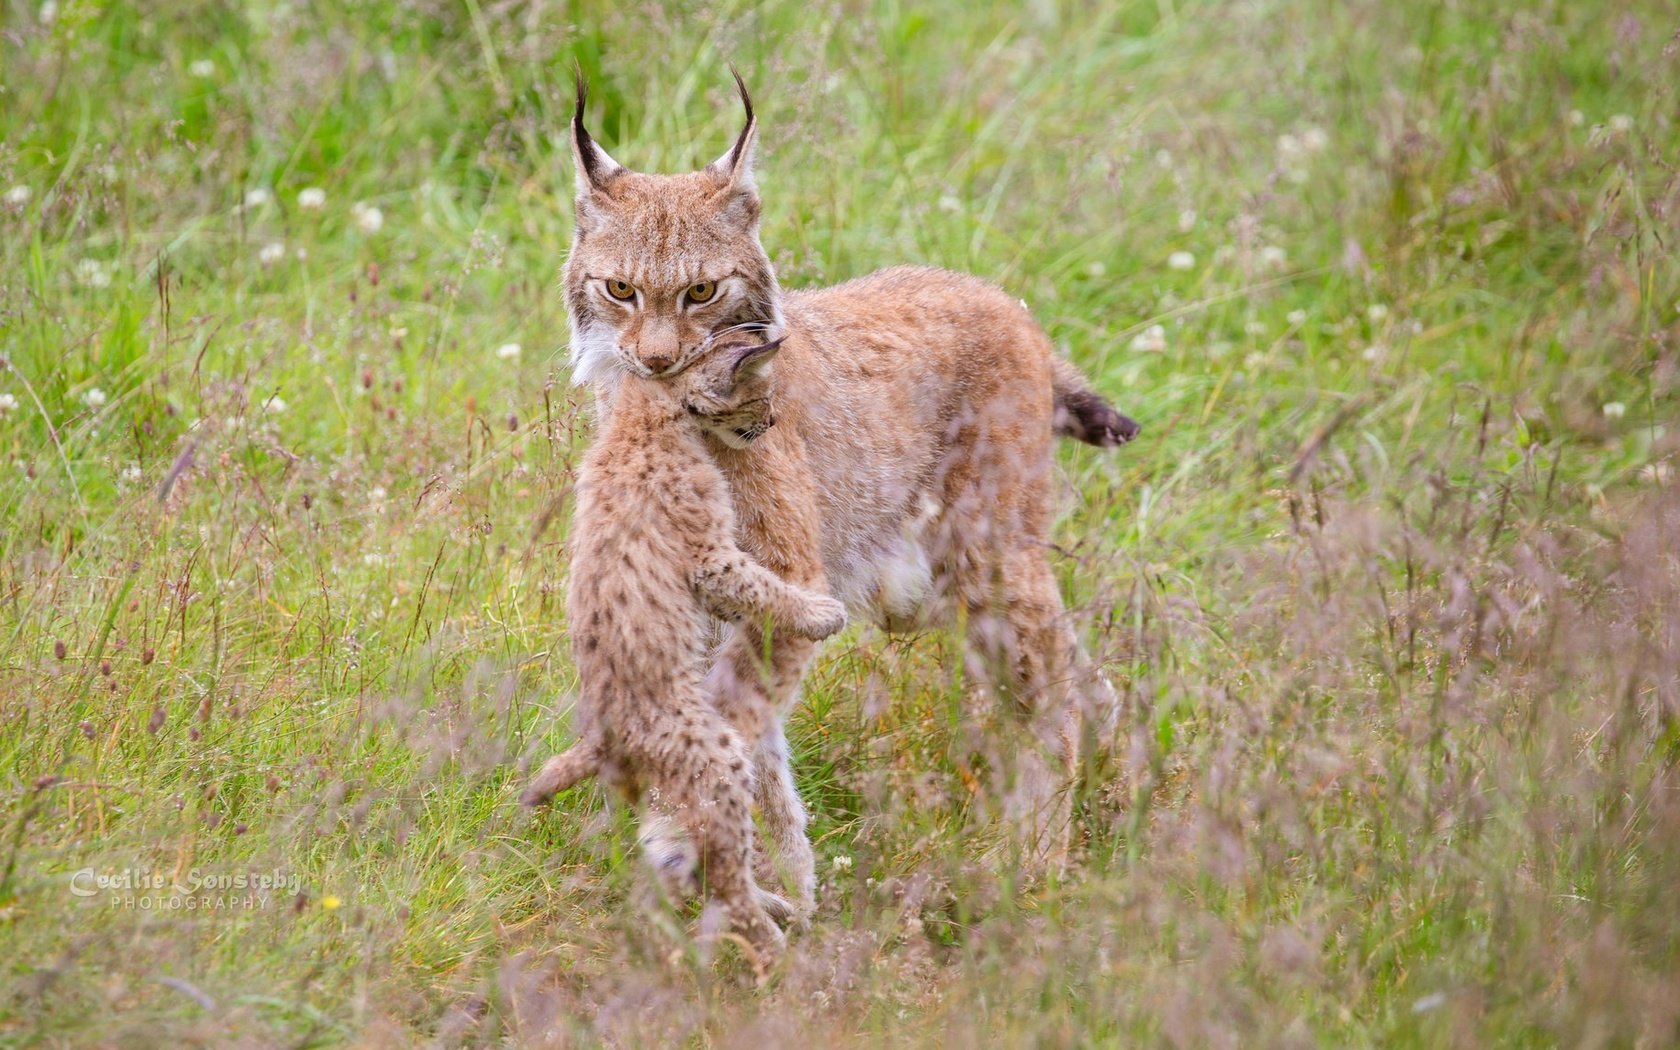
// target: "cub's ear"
[[754, 360], [735, 167], [594, 168]]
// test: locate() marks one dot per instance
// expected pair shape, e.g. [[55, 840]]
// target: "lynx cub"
[[653, 553]]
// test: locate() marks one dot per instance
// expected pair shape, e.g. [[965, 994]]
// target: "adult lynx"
[[910, 468], [654, 550]]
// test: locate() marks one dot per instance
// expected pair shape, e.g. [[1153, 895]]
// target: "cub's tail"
[[1083, 413], [579, 762]]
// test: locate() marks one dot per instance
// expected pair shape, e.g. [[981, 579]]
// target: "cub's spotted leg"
[[697, 774], [578, 762], [734, 587], [754, 696]]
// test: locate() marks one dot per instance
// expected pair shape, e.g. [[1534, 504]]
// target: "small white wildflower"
[[17, 195], [202, 68], [1297, 317], [1151, 340], [398, 332], [949, 203], [312, 198], [48, 13], [376, 494], [1576, 118], [1094, 268], [8, 404], [1255, 328], [1254, 360], [373, 558], [275, 404], [1614, 410], [271, 253], [1621, 123], [1273, 256], [1181, 261], [131, 473], [1186, 220], [1376, 312], [369, 219], [1288, 147], [1163, 159], [256, 198], [842, 863], [94, 398], [1374, 353], [508, 351], [93, 273], [1315, 139]]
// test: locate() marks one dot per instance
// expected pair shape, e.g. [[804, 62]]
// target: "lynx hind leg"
[[579, 762], [699, 779], [732, 586], [1025, 648]]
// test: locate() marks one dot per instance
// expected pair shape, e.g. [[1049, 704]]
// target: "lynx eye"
[[621, 290], [702, 292]]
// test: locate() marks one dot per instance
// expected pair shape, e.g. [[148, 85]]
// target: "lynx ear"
[[736, 165], [594, 167], [754, 360]]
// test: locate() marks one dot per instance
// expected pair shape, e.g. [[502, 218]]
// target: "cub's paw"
[[821, 616]]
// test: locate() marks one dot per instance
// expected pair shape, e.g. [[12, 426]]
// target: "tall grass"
[[1390, 585]]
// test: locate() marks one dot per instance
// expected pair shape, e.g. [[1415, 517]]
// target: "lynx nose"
[[657, 363]]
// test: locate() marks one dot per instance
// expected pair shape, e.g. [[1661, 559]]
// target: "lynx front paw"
[[822, 616]]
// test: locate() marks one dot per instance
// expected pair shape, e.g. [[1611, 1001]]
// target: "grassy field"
[[1390, 586]]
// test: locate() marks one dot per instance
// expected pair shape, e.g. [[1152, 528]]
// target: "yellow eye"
[[702, 292], [621, 290]]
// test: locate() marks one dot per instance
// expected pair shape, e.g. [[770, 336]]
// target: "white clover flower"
[[950, 203], [373, 558], [508, 351], [1254, 361], [131, 473], [1621, 123], [1376, 312], [8, 404], [274, 405], [93, 273], [1094, 268], [1297, 317], [1186, 220], [1614, 410], [1576, 118], [1288, 147], [368, 218], [1255, 328], [257, 198], [376, 494], [48, 12], [1151, 340], [94, 398], [1375, 352], [1181, 261], [312, 198], [1273, 256], [842, 863], [202, 68], [18, 195], [1315, 139], [271, 253]]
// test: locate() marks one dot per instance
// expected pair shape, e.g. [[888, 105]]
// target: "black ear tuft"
[[593, 165]]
